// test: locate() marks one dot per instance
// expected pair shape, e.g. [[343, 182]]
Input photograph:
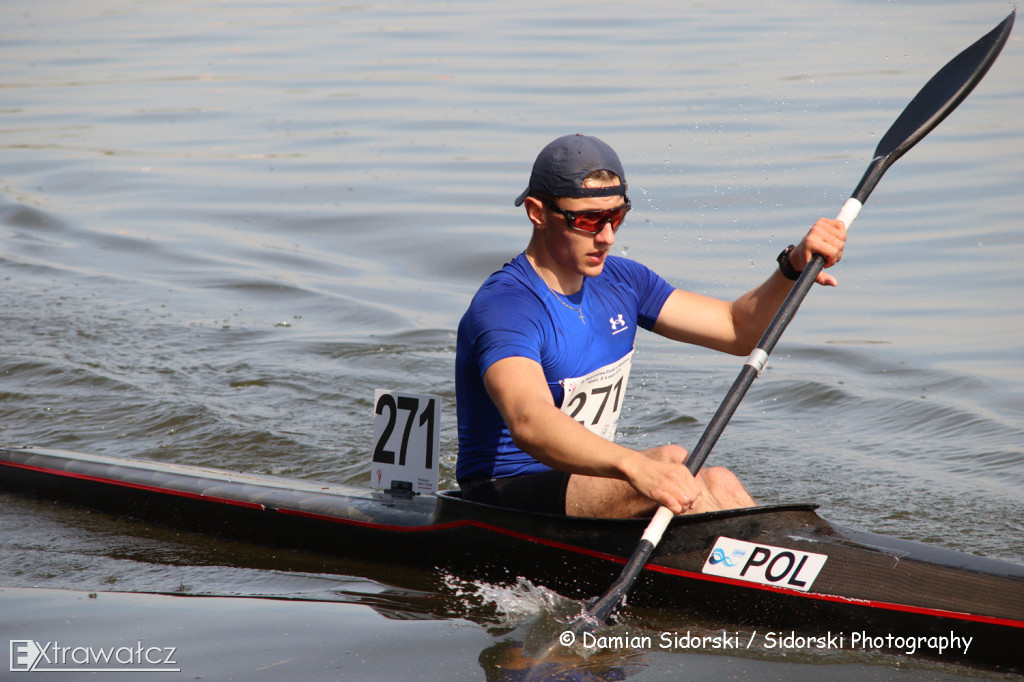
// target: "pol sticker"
[[764, 564]]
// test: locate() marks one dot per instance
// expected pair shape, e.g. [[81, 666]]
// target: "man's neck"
[[554, 275]]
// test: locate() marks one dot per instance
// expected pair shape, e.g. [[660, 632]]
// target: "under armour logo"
[[618, 324]]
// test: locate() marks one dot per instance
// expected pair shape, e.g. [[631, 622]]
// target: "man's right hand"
[[661, 475]]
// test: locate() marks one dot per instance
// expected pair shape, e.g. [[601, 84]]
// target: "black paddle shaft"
[[930, 106], [940, 95]]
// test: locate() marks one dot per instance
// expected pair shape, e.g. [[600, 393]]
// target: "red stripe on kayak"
[[888, 606], [664, 569], [448, 525], [136, 486], [320, 517]]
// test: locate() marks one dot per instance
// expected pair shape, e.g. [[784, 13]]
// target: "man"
[[544, 351]]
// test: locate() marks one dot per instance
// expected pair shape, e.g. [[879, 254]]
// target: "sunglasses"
[[592, 222]]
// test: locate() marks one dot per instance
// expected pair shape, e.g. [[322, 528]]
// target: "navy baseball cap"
[[564, 163]]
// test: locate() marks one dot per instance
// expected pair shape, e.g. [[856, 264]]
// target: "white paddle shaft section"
[[757, 359], [849, 212], [656, 528]]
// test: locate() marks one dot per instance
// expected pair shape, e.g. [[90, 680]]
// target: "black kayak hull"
[[869, 586]]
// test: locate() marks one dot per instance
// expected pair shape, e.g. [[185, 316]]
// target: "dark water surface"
[[224, 224]]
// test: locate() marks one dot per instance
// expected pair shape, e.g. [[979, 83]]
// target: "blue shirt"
[[515, 314]]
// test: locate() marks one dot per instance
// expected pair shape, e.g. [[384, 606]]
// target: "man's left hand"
[[827, 238]]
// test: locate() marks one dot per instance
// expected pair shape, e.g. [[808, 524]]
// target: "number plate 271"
[[406, 441]]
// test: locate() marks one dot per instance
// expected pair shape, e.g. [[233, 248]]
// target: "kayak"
[[780, 567]]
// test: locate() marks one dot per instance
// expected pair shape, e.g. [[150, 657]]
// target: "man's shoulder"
[[511, 279], [620, 268], [635, 280], [505, 295]]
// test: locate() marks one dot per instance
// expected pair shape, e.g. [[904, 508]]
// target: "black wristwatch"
[[787, 269]]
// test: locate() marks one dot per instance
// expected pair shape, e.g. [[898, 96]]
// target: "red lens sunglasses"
[[592, 222]]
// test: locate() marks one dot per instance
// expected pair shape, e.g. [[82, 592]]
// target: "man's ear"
[[535, 211]]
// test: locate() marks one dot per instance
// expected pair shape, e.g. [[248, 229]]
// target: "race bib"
[[595, 400]]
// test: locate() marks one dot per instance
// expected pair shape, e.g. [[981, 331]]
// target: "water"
[[222, 225]]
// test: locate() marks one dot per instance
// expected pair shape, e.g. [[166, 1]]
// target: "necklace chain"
[[578, 310]]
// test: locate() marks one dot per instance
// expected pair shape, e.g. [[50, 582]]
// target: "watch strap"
[[787, 269]]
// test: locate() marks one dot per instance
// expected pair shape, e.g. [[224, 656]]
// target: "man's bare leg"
[[612, 498]]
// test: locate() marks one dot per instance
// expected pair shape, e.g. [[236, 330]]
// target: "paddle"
[[933, 103]]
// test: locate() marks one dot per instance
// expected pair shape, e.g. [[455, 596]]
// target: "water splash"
[[513, 604]]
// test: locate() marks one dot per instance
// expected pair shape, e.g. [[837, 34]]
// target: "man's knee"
[[726, 486], [675, 454], [719, 477]]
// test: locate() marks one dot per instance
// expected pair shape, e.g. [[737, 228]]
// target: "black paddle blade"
[[601, 609], [936, 100]]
